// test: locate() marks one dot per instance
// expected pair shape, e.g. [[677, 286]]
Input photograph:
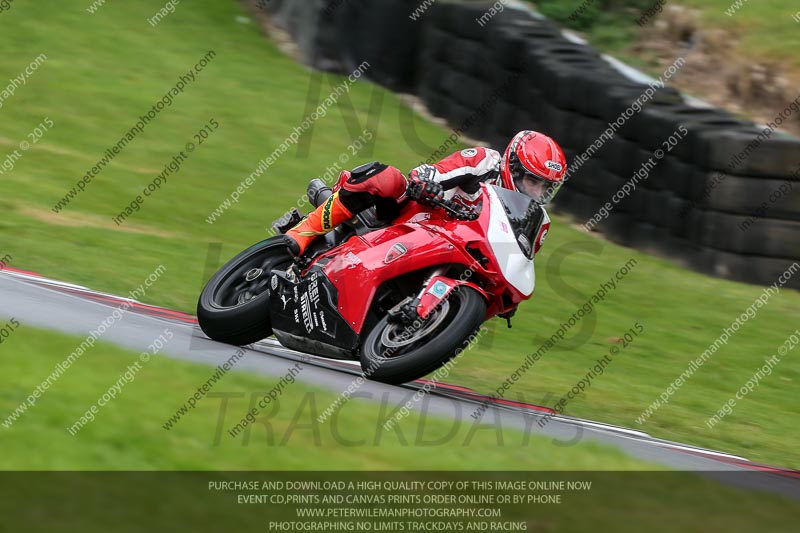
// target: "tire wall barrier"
[[716, 192]]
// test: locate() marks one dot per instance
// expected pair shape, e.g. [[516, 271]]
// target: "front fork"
[[411, 308], [435, 290]]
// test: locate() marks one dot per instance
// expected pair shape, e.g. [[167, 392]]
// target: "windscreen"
[[525, 215]]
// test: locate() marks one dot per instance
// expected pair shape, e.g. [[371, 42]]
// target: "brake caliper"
[[403, 313]]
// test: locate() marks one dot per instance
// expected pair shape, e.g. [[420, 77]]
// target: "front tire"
[[395, 359], [234, 305]]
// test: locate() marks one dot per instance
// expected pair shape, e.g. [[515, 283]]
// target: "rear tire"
[[232, 309], [465, 312]]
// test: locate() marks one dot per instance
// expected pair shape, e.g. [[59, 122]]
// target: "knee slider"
[[366, 171]]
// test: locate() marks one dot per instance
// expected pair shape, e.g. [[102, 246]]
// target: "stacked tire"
[[746, 211], [461, 78]]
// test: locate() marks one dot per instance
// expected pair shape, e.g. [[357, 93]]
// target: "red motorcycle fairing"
[[421, 238], [359, 266]]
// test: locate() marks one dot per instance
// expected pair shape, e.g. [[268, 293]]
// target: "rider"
[[533, 164]]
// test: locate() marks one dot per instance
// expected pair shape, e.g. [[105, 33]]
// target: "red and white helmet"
[[533, 164]]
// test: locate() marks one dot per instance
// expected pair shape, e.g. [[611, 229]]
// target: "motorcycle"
[[401, 297]]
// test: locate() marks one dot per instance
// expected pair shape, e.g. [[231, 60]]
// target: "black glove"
[[424, 191]]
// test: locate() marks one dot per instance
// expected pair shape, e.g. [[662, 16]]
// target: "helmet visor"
[[539, 189]]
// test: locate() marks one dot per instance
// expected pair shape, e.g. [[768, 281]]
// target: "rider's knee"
[[377, 179]]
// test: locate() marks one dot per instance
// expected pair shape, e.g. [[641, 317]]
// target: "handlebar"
[[430, 193], [455, 209]]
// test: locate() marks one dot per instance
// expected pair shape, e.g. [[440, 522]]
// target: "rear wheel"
[[234, 305], [397, 353]]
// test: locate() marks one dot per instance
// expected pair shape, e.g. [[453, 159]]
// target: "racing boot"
[[319, 222]]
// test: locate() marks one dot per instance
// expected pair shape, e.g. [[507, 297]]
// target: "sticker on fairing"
[[395, 252], [439, 289], [541, 239], [469, 152]]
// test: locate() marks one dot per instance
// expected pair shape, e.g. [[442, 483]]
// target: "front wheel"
[[234, 305], [398, 353]]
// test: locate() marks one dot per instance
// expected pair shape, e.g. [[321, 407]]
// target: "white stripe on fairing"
[[516, 268]]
